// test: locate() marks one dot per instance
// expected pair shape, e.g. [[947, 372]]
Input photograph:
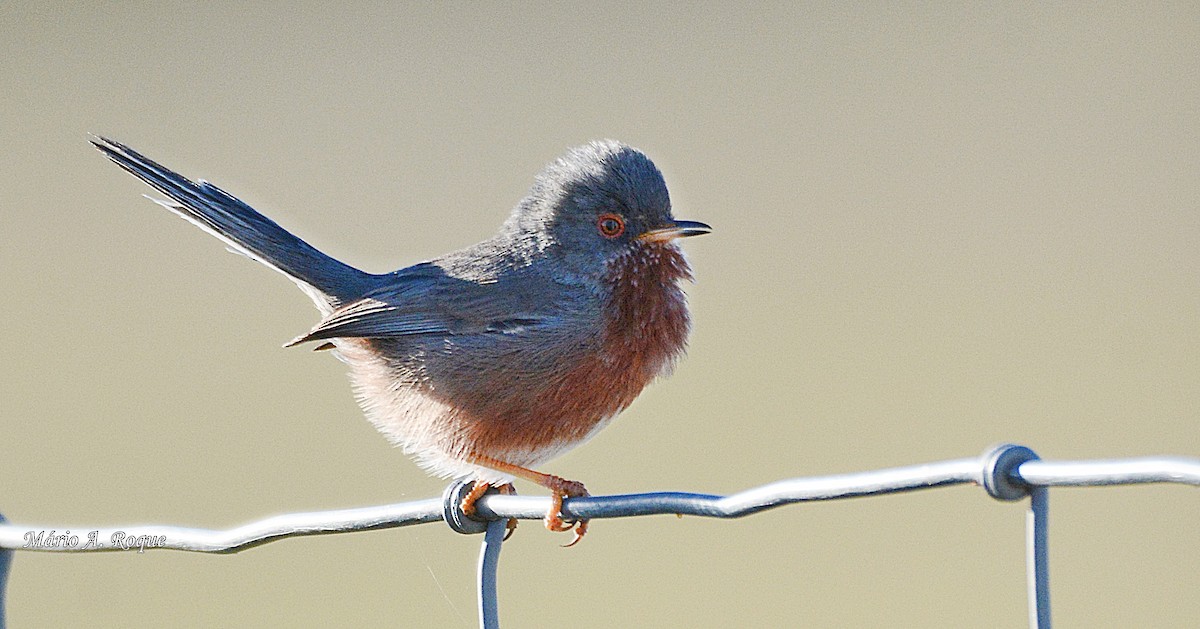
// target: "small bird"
[[484, 363]]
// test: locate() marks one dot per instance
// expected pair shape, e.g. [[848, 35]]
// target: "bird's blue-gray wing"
[[423, 300]]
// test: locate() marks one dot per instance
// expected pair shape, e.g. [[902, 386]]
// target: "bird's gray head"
[[592, 204]]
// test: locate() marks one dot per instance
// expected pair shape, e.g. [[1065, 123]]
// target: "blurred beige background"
[[937, 227]]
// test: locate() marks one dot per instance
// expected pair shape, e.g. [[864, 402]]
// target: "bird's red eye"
[[610, 225]]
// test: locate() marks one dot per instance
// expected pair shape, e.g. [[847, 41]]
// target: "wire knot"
[[1000, 477], [452, 511]]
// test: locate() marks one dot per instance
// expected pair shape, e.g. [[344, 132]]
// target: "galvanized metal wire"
[[1006, 472]]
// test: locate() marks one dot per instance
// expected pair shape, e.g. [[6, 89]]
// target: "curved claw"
[[580, 530]]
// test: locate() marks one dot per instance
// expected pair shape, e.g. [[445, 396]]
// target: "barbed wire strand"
[[1008, 472]]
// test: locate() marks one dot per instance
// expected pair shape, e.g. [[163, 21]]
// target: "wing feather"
[[423, 300]]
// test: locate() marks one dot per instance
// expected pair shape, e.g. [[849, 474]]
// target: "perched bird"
[[489, 361]]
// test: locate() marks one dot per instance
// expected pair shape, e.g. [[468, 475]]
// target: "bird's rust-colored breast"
[[646, 317], [644, 329]]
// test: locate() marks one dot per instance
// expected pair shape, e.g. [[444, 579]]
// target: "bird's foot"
[[467, 505], [561, 489], [478, 489]]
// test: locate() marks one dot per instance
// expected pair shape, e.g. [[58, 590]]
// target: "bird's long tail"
[[327, 281]]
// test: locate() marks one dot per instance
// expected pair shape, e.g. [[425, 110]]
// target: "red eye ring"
[[610, 225]]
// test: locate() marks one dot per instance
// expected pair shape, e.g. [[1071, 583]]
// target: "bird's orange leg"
[[560, 488]]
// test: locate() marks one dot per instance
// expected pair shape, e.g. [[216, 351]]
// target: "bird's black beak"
[[677, 229]]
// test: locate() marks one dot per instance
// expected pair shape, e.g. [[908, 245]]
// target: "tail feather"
[[326, 280]]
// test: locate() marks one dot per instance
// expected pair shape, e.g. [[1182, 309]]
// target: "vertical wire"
[[489, 560], [1037, 557], [6, 556]]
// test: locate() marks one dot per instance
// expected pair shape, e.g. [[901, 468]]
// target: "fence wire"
[[1007, 472]]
